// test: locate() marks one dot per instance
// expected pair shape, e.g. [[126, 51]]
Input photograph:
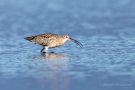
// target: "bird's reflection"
[[53, 56], [54, 67]]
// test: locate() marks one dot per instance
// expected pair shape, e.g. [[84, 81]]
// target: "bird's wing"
[[41, 40]]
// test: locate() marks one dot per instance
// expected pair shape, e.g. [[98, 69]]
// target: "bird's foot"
[[52, 52], [48, 52], [43, 52]]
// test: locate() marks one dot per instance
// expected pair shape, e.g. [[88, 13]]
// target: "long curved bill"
[[77, 42]]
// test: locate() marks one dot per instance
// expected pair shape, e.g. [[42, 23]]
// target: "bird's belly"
[[54, 45]]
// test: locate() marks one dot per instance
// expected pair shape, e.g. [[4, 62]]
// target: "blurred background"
[[106, 28], [84, 17]]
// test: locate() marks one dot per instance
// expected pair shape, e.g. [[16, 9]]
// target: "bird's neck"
[[63, 40]]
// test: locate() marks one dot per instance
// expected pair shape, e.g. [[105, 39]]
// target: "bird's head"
[[66, 37]]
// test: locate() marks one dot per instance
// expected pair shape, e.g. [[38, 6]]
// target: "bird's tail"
[[29, 38]]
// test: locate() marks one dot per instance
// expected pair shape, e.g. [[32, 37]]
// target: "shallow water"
[[106, 62]]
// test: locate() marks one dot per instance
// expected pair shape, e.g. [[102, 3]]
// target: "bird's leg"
[[42, 49], [46, 48]]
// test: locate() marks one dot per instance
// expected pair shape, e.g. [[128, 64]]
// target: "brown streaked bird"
[[50, 40]]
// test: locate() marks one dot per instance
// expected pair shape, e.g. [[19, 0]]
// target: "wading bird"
[[50, 40]]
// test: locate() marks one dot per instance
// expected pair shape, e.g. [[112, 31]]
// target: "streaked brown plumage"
[[50, 40]]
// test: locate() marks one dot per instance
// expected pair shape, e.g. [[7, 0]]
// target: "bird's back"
[[44, 39]]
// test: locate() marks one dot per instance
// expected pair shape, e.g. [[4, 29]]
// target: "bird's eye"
[[66, 36]]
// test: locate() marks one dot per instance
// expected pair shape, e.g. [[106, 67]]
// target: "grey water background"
[[106, 28]]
